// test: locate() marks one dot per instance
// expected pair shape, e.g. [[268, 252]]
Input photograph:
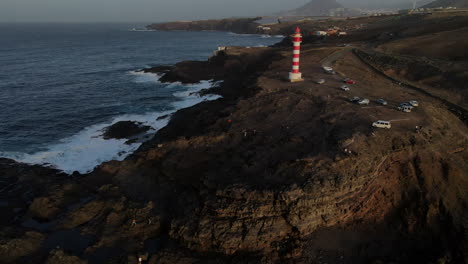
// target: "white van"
[[363, 101], [382, 124]]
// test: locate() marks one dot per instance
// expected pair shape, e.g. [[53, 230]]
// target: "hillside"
[[314, 8], [447, 3]]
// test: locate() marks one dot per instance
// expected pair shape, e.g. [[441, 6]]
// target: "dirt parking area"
[[368, 85]]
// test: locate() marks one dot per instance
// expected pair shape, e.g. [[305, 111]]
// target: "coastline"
[[260, 175], [41, 181], [69, 155], [117, 91]]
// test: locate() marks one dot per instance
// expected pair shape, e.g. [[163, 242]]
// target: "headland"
[[274, 171]]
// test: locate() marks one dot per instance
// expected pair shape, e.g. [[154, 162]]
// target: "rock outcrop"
[[60, 257], [236, 25], [124, 129], [14, 249]]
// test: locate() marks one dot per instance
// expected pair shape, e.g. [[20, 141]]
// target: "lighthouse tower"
[[295, 75]]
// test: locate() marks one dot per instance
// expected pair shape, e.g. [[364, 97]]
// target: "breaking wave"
[[87, 149]]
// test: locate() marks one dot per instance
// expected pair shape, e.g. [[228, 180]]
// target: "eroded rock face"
[[390, 187], [240, 219]]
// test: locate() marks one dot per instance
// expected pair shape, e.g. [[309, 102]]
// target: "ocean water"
[[61, 84]]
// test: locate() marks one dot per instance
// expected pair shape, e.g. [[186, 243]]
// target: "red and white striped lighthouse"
[[295, 75]]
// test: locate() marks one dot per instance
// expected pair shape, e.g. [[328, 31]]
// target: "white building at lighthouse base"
[[295, 77]]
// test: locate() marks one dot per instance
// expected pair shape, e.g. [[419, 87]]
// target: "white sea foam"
[[142, 30], [144, 77], [85, 150], [241, 35], [262, 36], [191, 96], [193, 89]]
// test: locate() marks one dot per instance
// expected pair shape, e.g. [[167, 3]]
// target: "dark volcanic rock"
[[11, 251], [124, 129], [236, 25], [159, 69], [193, 71], [60, 257], [44, 208], [20, 184]]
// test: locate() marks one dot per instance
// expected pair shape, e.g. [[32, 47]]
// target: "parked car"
[[413, 103], [406, 105], [345, 88], [363, 101], [382, 124], [405, 109], [320, 81], [329, 70], [349, 81], [354, 99], [382, 101]]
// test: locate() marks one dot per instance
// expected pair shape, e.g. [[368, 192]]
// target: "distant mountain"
[[382, 4], [446, 3], [314, 8]]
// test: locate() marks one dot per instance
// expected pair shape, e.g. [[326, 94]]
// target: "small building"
[[332, 31], [321, 33], [218, 51], [262, 28], [342, 33]]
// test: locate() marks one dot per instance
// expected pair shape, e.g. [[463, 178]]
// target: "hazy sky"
[[144, 10]]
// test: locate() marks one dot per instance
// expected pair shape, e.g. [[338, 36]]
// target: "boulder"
[[44, 209], [124, 129]]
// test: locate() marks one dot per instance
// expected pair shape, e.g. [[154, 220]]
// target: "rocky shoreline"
[[235, 25], [258, 176]]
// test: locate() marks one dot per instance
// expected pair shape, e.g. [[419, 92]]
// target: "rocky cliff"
[[236, 25], [273, 172]]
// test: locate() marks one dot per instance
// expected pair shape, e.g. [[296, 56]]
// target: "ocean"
[[61, 84]]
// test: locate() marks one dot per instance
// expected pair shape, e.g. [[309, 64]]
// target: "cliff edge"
[[273, 172]]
